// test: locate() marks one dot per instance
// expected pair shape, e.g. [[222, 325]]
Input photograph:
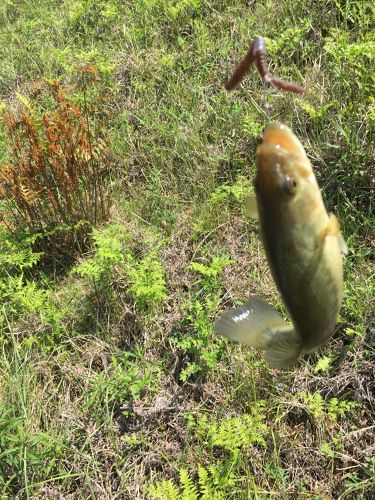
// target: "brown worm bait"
[[257, 55]]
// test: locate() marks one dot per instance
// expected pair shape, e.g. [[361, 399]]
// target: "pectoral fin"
[[333, 226], [252, 207], [333, 229], [342, 245]]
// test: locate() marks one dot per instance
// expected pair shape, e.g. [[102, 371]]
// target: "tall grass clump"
[[53, 181]]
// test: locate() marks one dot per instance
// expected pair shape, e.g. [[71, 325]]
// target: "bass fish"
[[304, 248]]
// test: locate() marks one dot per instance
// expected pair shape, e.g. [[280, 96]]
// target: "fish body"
[[304, 247]]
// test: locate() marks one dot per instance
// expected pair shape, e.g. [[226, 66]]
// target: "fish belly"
[[310, 284]]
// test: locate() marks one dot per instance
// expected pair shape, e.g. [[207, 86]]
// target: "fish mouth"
[[280, 136], [280, 155]]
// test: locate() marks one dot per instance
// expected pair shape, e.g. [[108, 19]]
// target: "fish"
[[304, 247]]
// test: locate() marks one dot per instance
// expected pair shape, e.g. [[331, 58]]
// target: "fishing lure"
[[257, 55]]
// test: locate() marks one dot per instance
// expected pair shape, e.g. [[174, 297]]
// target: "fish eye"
[[289, 184]]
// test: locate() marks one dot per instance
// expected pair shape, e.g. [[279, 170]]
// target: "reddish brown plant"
[[55, 176]]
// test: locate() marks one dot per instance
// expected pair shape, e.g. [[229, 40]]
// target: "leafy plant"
[[217, 209], [199, 313], [233, 437], [24, 298], [232, 434], [209, 275], [147, 281], [251, 127], [110, 250], [289, 39], [316, 114], [236, 192], [213, 482], [115, 267], [53, 184], [323, 364], [92, 17], [116, 387], [16, 252], [197, 344], [319, 408]]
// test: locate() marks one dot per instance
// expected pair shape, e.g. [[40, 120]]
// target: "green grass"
[[112, 383]]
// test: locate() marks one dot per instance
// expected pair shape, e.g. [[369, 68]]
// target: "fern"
[[239, 432], [199, 313], [333, 408], [235, 433], [214, 483], [216, 480], [317, 113], [189, 489], [323, 364], [147, 282], [251, 127], [181, 8], [16, 254], [288, 39], [241, 188], [54, 178], [203, 353], [164, 490], [109, 252], [208, 484], [122, 382], [209, 275], [336, 408]]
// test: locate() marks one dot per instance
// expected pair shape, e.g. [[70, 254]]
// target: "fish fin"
[[252, 207], [283, 349], [254, 323], [333, 229], [342, 245], [333, 226]]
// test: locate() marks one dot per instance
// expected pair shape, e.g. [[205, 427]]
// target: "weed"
[[323, 364], [233, 437], [216, 211], [233, 434], [22, 297], [319, 408], [118, 386], [146, 281], [203, 352], [209, 275], [110, 251], [213, 482]]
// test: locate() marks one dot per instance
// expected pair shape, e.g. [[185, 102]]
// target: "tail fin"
[[256, 323], [283, 349]]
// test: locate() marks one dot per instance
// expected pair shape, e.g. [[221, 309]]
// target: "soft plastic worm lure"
[[257, 54]]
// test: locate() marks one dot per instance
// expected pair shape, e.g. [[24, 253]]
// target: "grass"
[[112, 383]]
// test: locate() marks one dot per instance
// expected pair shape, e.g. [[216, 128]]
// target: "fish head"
[[285, 179]]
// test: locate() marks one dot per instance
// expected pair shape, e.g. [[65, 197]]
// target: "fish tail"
[[283, 349], [259, 325]]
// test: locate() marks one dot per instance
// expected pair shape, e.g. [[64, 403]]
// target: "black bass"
[[304, 247]]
